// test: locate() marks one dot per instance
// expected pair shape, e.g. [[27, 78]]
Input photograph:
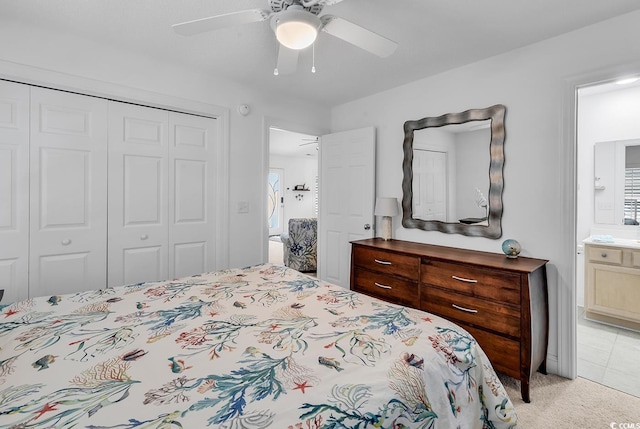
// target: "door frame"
[[567, 315], [268, 122]]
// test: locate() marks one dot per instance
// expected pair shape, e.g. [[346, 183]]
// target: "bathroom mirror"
[[452, 172], [617, 182]]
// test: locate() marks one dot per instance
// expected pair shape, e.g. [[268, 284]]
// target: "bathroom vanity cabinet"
[[612, 283]]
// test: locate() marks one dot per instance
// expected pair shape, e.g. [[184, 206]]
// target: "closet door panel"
[[143, 187], [138, 194], [68, 190], [192, 149], [14, 191]]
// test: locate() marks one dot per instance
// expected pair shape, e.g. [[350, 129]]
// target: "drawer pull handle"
[[378, 261], [381, 285], [462, 279], [468, 310], [604, 255]]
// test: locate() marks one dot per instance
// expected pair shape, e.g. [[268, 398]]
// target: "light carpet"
[[558, 402]]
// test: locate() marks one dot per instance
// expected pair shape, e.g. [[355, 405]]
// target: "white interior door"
[[275, 200], [192, 197], [14, 191], [138, 183], [429, 185], [347, 198], [68, 189]]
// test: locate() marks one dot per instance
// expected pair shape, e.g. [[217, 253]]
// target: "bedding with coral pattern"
[[259, 347]]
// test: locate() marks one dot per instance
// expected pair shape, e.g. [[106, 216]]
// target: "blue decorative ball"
[[511, 248]]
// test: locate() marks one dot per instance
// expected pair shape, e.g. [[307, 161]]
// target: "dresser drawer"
[[604, 254], [496, 285], [490, 315], [387, 262], [388, 288], [503, 353]]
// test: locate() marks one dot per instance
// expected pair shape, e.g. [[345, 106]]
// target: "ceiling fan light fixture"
[[296, 28]]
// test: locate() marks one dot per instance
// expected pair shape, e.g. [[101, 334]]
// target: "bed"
[[257, 347]]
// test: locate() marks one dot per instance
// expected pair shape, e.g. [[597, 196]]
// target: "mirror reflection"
[[453, 172], [450, 173], [617, 182]]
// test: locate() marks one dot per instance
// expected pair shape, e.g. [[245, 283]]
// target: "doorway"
[[292, 190], [606, 112]]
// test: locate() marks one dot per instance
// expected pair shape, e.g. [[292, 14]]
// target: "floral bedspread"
[[258, 347]]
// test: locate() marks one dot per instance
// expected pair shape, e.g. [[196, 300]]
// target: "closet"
[[96, 192]]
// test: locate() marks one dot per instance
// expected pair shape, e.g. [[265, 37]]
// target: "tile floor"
[[609, 355]]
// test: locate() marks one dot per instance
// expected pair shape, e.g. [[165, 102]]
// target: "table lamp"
[[387, 208]]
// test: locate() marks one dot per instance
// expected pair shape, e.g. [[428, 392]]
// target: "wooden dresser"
[[502, 302]]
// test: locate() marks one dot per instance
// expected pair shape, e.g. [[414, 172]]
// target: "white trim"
[[566, 292], [567, 307], [66, 82]]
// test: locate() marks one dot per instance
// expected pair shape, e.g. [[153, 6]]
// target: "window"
[[632, 195]]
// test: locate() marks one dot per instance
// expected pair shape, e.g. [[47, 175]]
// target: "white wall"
[[297, 171], [532, 83], [604, 117], [67, 57]]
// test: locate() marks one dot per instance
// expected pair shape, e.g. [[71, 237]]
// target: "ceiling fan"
[[308, 141], [296, 24]]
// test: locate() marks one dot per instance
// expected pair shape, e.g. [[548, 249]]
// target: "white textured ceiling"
[[433, 36]]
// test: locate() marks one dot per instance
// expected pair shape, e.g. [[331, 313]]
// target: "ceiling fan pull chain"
[[313, 58]]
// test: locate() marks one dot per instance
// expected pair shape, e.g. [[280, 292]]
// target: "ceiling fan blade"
[[218, 22], [358, 36], [287, 60]]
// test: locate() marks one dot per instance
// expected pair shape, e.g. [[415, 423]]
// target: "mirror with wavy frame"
[[487, 222]]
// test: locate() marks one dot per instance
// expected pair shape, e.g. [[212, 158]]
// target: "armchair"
[[301, 244]]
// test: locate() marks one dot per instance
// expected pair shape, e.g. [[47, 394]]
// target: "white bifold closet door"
[[161, 194], [68, 189], [138, 184], [192, 191], [14, 191]]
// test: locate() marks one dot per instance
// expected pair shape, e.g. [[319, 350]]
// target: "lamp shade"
[[296, 28], [386, 206]]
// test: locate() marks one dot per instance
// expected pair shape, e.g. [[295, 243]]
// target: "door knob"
[[367, 227]]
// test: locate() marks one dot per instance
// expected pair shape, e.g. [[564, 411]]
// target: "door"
[[192, 196], [429, 185], [68, 190], [275, 201], [14, 191], [347, 197], [138, 184]]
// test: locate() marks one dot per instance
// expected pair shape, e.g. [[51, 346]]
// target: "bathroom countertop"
[[617, 242]]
